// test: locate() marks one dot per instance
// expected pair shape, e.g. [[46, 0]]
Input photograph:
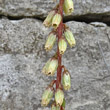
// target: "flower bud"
[[52, 66], [68, 7], [66, 80], [47, 96], [70, 38], [50, 41], [48, 21], [59, 96], [56, 20], [62, 46]]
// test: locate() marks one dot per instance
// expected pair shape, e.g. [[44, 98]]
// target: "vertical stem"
[[59, 31]]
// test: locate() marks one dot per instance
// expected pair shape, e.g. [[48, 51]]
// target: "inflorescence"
[[62, 34]]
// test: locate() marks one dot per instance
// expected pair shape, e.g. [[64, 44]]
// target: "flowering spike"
[[59, 96], [66, 80], [50, 41], [56, 20], [47, 96], [48, 21], [62, 46], [70, 38], [68, 7]]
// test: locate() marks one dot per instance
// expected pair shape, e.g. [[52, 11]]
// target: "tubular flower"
[[50, 67], [56, 20], [68, 7], [48, 21], [66, 80], [47, 96], [50, 41], [59, 96], [62, 46], [70, 38]]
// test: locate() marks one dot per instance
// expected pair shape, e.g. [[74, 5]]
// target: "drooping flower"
[[50, 67], [47, 96], [70, 38], [68, 7], [56, 20], [62, 45], [48, 21], [66, 80], [59, 96], [50, 41]]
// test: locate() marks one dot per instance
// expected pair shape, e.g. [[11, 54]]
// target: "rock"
[[22, 57], [89, 9], [21, 8], [98, 24], [21, 82], [22, 36]]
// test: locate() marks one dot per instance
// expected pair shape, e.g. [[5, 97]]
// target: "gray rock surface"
[[22, 36], [89, 9], [22, 57]]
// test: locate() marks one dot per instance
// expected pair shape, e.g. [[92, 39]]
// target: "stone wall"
[[22, 55]]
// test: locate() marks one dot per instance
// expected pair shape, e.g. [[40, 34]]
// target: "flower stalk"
[[59, 31]]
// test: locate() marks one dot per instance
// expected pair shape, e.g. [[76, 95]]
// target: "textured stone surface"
[[25, 7], [22, 57], [93, 9], [22, 36]]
